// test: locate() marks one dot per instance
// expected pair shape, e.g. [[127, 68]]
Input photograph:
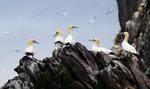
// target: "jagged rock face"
[[140, 30], [75, 67], [126, 9]]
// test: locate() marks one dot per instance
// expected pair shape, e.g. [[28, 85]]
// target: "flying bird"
[[5, 33], [95, 5], [125, 45], [16, 50], [110, 11], [46, 9], [92, 20], [70, 38], [96, 47], [37, 15], [59, 39], [30, 50], [64, 14]]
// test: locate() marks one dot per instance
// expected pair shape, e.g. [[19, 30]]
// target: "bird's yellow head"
[[70, 28], [31, 41], [126, 34], [58, 32], [96, 40]]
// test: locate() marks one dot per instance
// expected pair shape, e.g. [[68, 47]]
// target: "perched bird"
[[96, 47], [70, 39], [125, 45], [92, 20], [30, 50], [59, 39]]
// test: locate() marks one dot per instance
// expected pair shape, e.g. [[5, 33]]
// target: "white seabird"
[[70, 38], [59, 39], [92, 20], [125, 45], [96, 47], [30, 50], [110, 11]]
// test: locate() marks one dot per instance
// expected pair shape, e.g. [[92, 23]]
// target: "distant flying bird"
[[70, 38], [16, 50], [5, 33], [96, 47], [110, 11], [92, 20], [59, 39], [64, 14], [30, 50], [95, 5], [46, 9], [37, 15], [125, 45]]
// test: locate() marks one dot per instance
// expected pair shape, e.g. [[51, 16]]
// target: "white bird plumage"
[[59, 39], [126, 46], [70, 38], [96, 47], [92, 20], [30, 50]]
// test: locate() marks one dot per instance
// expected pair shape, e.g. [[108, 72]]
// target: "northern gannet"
[[110, 11], [70, 39], [125, 45], [30, 50], [96, 47], [59, 39], [92, 20], [16, 50]]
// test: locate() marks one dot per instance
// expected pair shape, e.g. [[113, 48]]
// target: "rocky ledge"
[[75, 67]]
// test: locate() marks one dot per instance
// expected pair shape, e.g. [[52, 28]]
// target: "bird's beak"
[[91, 40], [74, 27], [36, 42], [55, 34]]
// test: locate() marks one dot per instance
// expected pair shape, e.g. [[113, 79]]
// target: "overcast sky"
[[21, 20]]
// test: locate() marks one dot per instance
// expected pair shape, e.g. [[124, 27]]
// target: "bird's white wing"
[[69, 39], [92, 20], [107, 51], [59, 39], [128, 47], [30, 50]]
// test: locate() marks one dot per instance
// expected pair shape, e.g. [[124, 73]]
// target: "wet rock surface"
[[75, 67]]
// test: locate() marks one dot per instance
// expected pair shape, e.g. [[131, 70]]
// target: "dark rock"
[[140, 33], [75, 67]]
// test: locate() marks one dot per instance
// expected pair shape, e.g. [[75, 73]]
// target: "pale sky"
[[39, 19]]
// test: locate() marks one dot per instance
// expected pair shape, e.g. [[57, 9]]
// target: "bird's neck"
[[30, 43], [96, 44], [70, 30], [126, 38], [60, 35]]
